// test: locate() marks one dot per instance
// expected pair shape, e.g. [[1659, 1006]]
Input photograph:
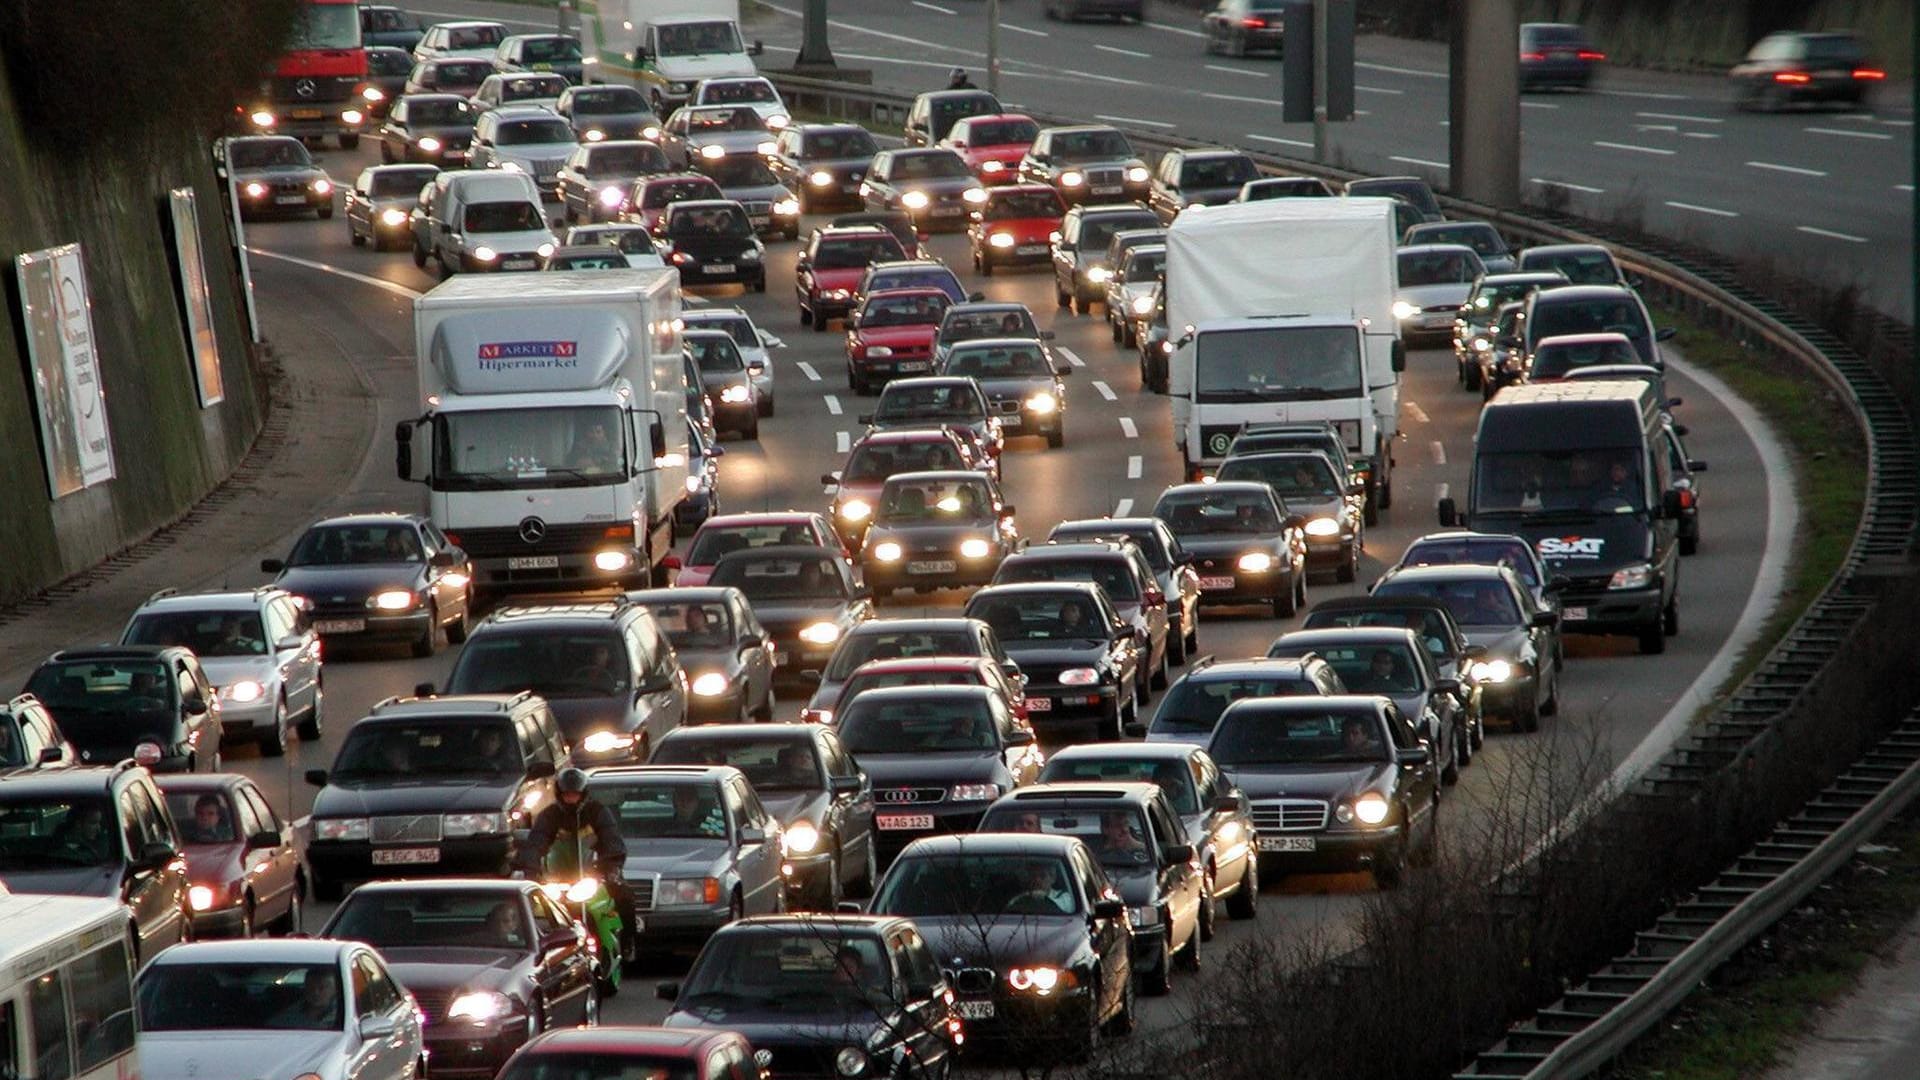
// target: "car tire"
[[869, 873], [1060, 295], [327, 890], [1128, 1017], [428, 642], [765, 713], [349, 140], [1285, 606], [766, 405], [1429, 848], [1157, 981], [1245, 901], [419, 255], [1113, 328], [458, 630], [985, 266], [1670, 618], [752, 429], [1188, 958], [1653, 638], [1390, 868], [354, 237], [1161, 674], [1209, 910], [592, 1017], [386, 152], [290, 923], [247, 915], [1177, 644], [1370, 510], [1527, 719], [1450, 772], [1193, 636], [325, 213], [736, 909], [1690, 545], [274, 742], [1349, 568], [1057, 438], [310, 724]]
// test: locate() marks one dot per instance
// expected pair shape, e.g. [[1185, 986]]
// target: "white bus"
[[66, 989]]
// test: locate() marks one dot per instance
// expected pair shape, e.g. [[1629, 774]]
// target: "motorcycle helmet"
[[571, 781]]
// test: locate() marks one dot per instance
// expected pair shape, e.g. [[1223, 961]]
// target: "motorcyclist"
[[571, 812], [959, 80]]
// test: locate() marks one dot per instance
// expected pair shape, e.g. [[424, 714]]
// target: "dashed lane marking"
[[833, 404], [1419, 414], [1681, 116], [1105, 390], [1400, 70], [1123, 508], [1830, 234], [1418, 161], [1564, 184], [1132, 120], [1024, 30], [1135, 465], [1181, 30], [1279, 140], [807, 370], [842, 442], [934, 7], [1698, 209], [1379, 90], [1439, 452], [1635, 149], [1135, 53], [1072, 357], [1794, 169], [1127, 428], [1878, 135], [1646, 94], [1236, 71]]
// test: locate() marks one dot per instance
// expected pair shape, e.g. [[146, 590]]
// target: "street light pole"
[[993, 47], [1320, 81]]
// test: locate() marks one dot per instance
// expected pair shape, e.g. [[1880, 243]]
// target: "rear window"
[[1510, 553], [400, 183], [1111, 574], [1096, 232]]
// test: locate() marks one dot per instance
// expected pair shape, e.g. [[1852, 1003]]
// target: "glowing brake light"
[[1871, 74], [1590, 54], [1533, 56], [1792, 77], [1253, 23]]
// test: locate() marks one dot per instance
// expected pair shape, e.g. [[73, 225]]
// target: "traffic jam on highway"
[[882, 773]]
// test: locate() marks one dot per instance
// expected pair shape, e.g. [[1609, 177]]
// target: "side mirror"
[[831, 479], [1449, 513], [1399, 355], [671, 562], [1636, 281], [667, 991], [540, 770], [1358, 487], [195, 705], [288, 644], [752, 835], [843, 785], [811, 675], [1419, 755], [1006, 510], [424, 689], [1046, 335], [1665, 333], [1670, 504], [849, 907], [975, 297], [51, 755], [1022, 737], [272, 566], [656, 435], [1544, 618], [1109, 909], [264, 838], [443, 559], [377, 1027], [716, 451], [1226, 804], [1674, 402], [1063, 369], [1447, 686], [862, 592], [865, 418], [558, 939], [1296, 521], [1473, 652], [1681, 430], [1179, 853], [154, 856], [751, 641], [758, 48], [1696, 465], [317, 777]]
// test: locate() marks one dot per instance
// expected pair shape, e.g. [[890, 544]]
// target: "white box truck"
[[1282, 311], [664, 46], [554, 441]]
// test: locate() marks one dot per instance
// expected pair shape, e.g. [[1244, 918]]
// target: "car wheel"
[[1208, 910], [1429, 847], [1060, 296], [1653, 638], [986, 266], [592, 1009], [1193, 636], [752, 430], [1245, 901], [832, 889], [310, 724], [1157, 981], [354, 237], [325, 213], [1113, 328], [247, 913], [290, 923], [1159, 680], [349, 140], [1670, 618], [869, 872], [1527, 719], [386, 152], [1450, 772], [1390, 867], [428, 642], [766, 405], [1057, 438], [1349, 566], [1128, 1017], [327, 890], [1463, 742], [1189, 957], [1285, 606], [736, 908], [273, 743], [1470, 377], [419, 255], [1177, 644]]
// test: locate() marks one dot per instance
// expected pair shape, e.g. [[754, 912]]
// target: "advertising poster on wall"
[[195, 298], [66, 373]]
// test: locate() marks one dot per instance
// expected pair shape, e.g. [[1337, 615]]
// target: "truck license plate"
[[1216, 583], [931, 566], [1573, 614], [339, 626], [1287, 843], [534, 562], [903, 821], [974, 1010], [406, 856]]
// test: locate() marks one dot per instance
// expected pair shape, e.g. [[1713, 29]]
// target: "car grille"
[[1583, 590], [319, 90], [407, 829], [1007, 404], [974, 981], [1105, 177], [642, 890], [1435, 309], [285, 187], [545, 168], [757, 208], [884, 798], [1042, 674], [433, 1004], [1289, 815], [498, 543]]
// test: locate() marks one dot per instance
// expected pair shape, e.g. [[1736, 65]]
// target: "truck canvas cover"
[[1284, 257]]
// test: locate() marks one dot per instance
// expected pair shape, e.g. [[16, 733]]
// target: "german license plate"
[[516, 264], [760, 221], [1039, 704], [1216, 584], [932, 566], [541, 67], [339, 626], [534, 562], [1011, 420], [947, 211], [306, 114], [903, 821], [1574, 614], [1107, 189], [1287, 843], [289, 200], [974, 1010], [405, 856], [717, 268], [916, 365], [1030, 249]]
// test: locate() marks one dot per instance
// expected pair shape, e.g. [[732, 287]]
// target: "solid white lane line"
[[1181, 30], [1635, 149], [1024, 30], [1131, 120], [1879, 135], [1680, 116], [1648, 94], [1898, 123], [364, 279], [1794, 169], [842, 442], [1568, 186], [1419, 414], [1123, 508], [833, 404], [1279, 140], [1903, 187], [841, 24], [1105, 390], [807, 370], [1379, 90], [1135, 465], [1418, 161], [1538, 105], [1072, 357], [1236, 71], [1830, 234], [1400, 70], [1116, 50], [1439, 452], [1701, 209], [1698, 135], [1270, 102], [934, 7], [1095, 76], [1127, 428]]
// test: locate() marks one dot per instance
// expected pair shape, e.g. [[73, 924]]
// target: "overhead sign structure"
[[74, 440]]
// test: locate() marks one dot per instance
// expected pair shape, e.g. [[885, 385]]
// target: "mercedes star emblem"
[[304, 88], [533, 530]]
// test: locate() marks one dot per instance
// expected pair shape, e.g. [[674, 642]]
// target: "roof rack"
[[159, 595]]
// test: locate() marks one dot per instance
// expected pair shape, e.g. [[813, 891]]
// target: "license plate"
[[1574, 614], [306, 114], [1216, 583], [760, 222], [542, 67], [516, 264], [339, 626], [1030, 249], [406, 856], [974, 1010], [717, 268], [932, 566], [947, 211], [1107, 189], [1011, 420], [1561, 54], [916, 365], [1039, 704], [289, 200], [903, 821], [534, 562], [1287, 843]]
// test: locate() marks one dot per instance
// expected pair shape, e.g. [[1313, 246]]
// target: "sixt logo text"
[[1579, 547]]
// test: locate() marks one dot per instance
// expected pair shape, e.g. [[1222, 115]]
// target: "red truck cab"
[[318, 86]]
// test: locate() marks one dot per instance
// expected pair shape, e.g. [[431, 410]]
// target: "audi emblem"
[[899, 795], [532, 530], [304, 88]]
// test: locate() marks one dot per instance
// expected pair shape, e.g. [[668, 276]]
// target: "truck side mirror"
[[758, 48], [1449, 513], [1399, 355], [1665, 333]]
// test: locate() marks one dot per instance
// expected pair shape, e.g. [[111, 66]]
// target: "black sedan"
[[1519, 672], [1172, 571], [805, 597], [712, 242], [1081, 659], [490, 964], [934, 530], [1024, 385], [823, 164], [1335, 783], [804, 777], [933, 184], [1556, 55], [379, 577], [936, 756], [1246, 547], [430, 129], [1309, 485], [726, 653], [274, 174], [1038, 935], [943, 402], [1392, 662], [602, 113], [1428, 617]]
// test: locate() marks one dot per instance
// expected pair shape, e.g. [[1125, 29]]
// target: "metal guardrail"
[[1593, 1023]]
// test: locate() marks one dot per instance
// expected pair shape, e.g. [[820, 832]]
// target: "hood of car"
[[1077, 653], [920, 334], [227, 670], [214, 864], [786, 616], [675, 857], [712, 247], [1006, 153], [324, 585], [1313, 506], [452, 968], [528, 152], [1138, 885], [196, 1055], [278, 172], [1003, 941], [937, 185], [580, 716], [733, 142], [1501, 642], [821, 1032], [847, 278], [515, 242], [1330, 782], [65, 881], [1016, 386], [916, 536], [1445, 292], [1224, 549], [1038, 230], [414, 795], [792, 806], [1211, 196], [718, 658], [929, 768], [755, 192]]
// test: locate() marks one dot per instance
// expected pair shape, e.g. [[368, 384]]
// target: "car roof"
[[681, 594], [743, 732], [702, 204], [1351, 703], [932, 380], [195, 782], [689, 774], [1022, 588], [591, 612], [1056, 550], [300, 950], [115, 652], [993, 843], [378, 517], [1572, 293], [86, 779], [1254, 486], [783, 551], [908, 290], [1130, 523], [1107, 751], [882, 695], [1334, 635], [1250, 667], [918, 663], [1433, 249], [759, 517], [1445, 572], [445, 885], [1102, 791], [1379, 603], [1524, 277], [400, 710], [617, 1039], [1607, 336], [910, 434], [927, 475], [210, 600], [920, 624]]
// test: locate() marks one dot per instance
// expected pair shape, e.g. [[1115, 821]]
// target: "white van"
[[509, 233], [66, 989]]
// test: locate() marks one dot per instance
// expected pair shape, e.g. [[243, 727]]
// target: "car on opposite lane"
[[1237, 27], [1789, 68], [1082, 661], [1556, 55], [380, 577], [1246, 547]]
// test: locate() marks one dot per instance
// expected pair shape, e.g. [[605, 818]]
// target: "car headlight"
[[483, 253], [393, 218], [1040, 979], [594, 135], [473, 824], [611, 197], [1079, 676], [263, 118], [820, 633], [373, 93], [820, 178], [1481, 344], [856, 510], [711, 152], [611, 562], [1001, 240], [914, 200], [751, 255], [393, 600], [583, 890], [1098, 275], [255, 190], [975, 548], [788, 207], [1053, 237], [887, 551], [509, 166], [695, 483], [711, 684], [975, 195], [543, 250], [801, 838], [836, 294], [736, 394], [1323, 526], [973, 792], [850, 1061], [606, 742], [242, 691], [650, 132], [1144, 916], [679, 88], [1143, 305], [993, 166], [1137, 175], [201, 897], [679, 892], [480, 1007], [1255, 562], [879, 350], [1404, 310], [428, 143], [1370, 809], [1071, 178], [766, 149], [1490, 671], [352, 116], [1638, 576], [778, 121], [351, 828], [1042, 403]]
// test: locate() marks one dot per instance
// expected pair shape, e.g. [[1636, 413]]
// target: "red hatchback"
[[880, 455], [729, 533], [893, 336], [928, 671], [641, 1052], [992, 146], [1017, 226], [242, 868], [829, 270]]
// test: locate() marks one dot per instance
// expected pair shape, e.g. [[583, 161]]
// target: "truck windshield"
[[1309, 363], [694, 39], [530, 448], [326, 26], [1599, 481]]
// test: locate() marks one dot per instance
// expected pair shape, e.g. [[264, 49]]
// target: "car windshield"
[[389, 62], [1476, 602], [738, 91], [1214, 172], [1219, 513], [490, 217], [885, 644], [207, 633], [728, 222], [915, 278], [1414, 192], [1251, 738], [1097, 145], [608, 100], [625, 159], [532, 132], [1173, 777], [476, 37], [813, 970], [1580, 481], [1600, 316], [999, 362], [850, 252], [1490, 297], [106, 706], [208, 996], [738, 327], [433, 919], [1193, 706], [960, 106], [623, 1065], [957, 501], [980, 887], [964, 324], [715, 354], [527, 87], [1286, 188], [631, 241], [714, 542], [453, 74], [325, 26], [930, 401], [1371, 669], [398, 182], [872, 462], [1553, 360], [1436, 268], [1112, 573], [739, 170], [533, 447], [1429, 624], [693, 624], [548, 49], [1291, 476], [1022, 204], [1508, 551], [465, 747], [1261, 442], [56, 834], [1483, 239], [1042, 616], [551, 662], [693, 39], [1142, 267], [1117, 837], [204, 817], [913, 309], [1145, 536], [266, 153], [782, 577], [1580, 267], [1278, 364], [837, 143], [917, 725], [1834, 49], [673, 191], [774, 764], [1001, 132], [589, 261], [432, 113], [723, 118], [663, 810], [928, 165], [1096, 232]]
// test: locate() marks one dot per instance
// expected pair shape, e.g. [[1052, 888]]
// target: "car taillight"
[[1533, 56], [1791, 77], [452, 538], [1253, 23], [1870, 74], [1589, 54]]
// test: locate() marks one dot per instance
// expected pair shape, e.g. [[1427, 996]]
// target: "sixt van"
[[1582, 471], [554, 441], [1282, 310], [664, 46]]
